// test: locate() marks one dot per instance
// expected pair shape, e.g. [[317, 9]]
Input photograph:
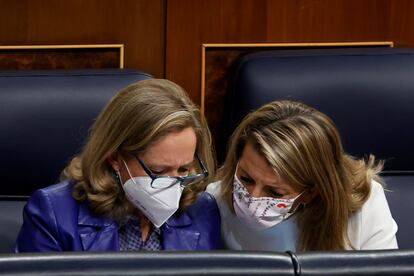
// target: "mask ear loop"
[[129, 172], [296, 203], [236, 178]]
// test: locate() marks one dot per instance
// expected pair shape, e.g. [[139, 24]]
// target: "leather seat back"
[[368, 92]]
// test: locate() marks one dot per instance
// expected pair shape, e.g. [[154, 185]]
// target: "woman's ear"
[[309, 195], [114, 161]]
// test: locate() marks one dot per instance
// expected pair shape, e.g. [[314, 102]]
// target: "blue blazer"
[[54, 221]]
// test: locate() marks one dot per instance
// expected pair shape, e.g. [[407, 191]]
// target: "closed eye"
[[157, 172], [274, 193], [183, 171]]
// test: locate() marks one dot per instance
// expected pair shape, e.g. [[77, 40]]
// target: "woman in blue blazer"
[[138, 183]]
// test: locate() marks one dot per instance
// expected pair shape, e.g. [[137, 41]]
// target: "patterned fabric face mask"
[[260, 212]]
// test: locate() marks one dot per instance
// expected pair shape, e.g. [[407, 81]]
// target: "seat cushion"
[[10, 220], [399, 191]]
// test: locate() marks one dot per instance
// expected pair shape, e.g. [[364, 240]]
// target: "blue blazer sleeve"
[[39, 231]]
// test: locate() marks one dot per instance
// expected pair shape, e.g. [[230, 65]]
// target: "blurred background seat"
[[45, 117]]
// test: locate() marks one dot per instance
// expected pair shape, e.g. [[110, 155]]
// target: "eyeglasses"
[[161, 182]]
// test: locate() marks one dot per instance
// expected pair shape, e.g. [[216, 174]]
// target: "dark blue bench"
[[392, 262]]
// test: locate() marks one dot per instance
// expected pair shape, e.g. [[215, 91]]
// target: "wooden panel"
[[138, 24], [401, 27], [61, 57], [327, 20], [193, 23]]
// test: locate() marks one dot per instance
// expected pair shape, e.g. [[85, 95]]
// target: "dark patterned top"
[[130, 237]]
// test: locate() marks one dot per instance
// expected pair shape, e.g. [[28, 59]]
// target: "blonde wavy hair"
[[136, 118], [303, 146]]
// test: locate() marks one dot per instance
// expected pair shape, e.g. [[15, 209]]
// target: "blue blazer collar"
[[182, 220], [96, 233], [99, 233]]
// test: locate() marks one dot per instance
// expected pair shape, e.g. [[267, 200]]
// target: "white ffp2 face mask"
[[158, 205], [260, 213]]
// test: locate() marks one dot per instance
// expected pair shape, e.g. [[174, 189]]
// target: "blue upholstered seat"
[[44, 118]]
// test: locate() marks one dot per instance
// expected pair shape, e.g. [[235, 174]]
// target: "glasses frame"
[[179, 179]]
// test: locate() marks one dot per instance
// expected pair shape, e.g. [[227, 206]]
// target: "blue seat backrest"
[[44, 119], [368, 92], [400, 195], [11, 220]]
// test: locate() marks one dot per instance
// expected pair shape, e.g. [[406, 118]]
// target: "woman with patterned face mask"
[[287, 184], [138, 183]]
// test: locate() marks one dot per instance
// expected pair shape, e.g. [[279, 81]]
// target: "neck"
[[145, 224]]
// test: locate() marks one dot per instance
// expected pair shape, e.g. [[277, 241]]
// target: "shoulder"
[[57, 197], [204, 202], [57, 190], [214, 188], [375, 208], [376, 187], [203, 214], [49, 215], [376, 198], [204, 211], [202, 223], [376, 225]]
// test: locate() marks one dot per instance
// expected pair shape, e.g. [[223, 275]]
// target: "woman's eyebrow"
[[168, 166], [191, 163], [273, 185], [246, 174]]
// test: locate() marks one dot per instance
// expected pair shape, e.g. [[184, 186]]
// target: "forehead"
[[175, 148], [256, 165]]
